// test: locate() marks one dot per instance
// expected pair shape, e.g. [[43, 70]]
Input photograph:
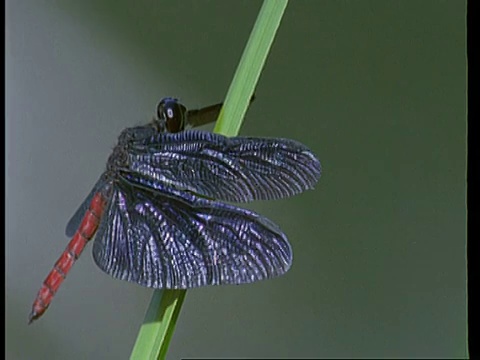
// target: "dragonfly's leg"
[[206, 115]]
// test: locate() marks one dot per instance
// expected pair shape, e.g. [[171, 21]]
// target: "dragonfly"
[[161, 212]]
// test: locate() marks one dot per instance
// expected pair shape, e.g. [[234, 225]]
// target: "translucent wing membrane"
[[177, 240], [238, 169], [74, 222]]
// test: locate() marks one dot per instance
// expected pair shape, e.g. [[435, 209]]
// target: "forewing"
[[235, 169], [178, 241]]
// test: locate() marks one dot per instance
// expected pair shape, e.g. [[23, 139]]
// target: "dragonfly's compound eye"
[[172, 113]]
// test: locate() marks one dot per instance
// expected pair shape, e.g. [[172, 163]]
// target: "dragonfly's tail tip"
[[33, 316]]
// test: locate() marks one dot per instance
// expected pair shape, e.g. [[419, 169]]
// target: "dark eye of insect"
[[173, 113]]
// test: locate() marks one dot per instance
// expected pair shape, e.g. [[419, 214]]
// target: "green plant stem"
[[159, 323]]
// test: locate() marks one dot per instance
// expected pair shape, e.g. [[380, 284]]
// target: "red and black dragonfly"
[[157, 212]]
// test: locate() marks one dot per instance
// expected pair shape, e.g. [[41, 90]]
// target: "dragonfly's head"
[[171, 115]]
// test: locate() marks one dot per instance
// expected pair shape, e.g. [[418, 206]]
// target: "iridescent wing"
[[177, 240], [238, 169]]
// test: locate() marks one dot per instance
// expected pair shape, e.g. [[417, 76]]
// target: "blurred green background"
[[377, 89]]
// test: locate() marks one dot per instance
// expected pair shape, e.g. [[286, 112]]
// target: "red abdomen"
[[85, 232]]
